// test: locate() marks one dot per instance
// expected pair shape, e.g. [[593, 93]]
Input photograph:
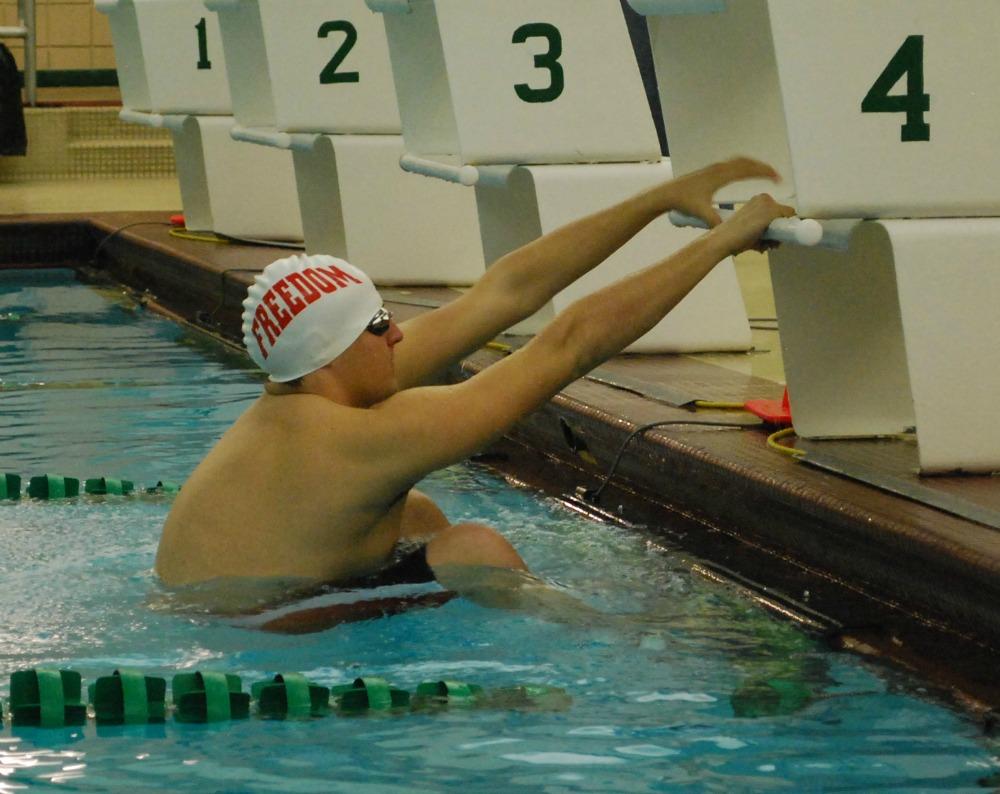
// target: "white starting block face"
[[322, 66], [234, 188], [881, 108], [518, 81], [173, 72], [516, 205], [399, 228], [308, 65], [898, 330], [169, 56]]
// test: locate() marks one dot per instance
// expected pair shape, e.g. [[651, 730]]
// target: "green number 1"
[[202, 28], [908, 61], [547, 60]]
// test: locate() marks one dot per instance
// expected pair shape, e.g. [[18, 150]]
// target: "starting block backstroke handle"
[[467, 175], [800, 231], [170, 121]]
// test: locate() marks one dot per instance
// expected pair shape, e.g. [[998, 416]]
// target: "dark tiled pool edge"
[[895, 588]]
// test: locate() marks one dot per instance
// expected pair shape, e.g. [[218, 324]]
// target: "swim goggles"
[[380, 322]]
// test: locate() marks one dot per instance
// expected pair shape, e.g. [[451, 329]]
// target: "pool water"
[[94, 386]]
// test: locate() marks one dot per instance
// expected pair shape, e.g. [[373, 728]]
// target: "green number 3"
[[908, 61], [547, 60]]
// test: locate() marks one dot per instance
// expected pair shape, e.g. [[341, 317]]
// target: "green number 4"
[[909, 62]]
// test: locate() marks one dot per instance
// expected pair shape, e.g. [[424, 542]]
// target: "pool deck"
[[848, 539]]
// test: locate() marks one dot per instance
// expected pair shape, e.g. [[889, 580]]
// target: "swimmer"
[[314, 482]]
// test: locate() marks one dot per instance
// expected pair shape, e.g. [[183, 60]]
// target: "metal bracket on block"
[[389, 6], [651, 8], [221, 5]]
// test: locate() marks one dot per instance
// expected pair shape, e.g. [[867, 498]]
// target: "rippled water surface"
[[93, 386]]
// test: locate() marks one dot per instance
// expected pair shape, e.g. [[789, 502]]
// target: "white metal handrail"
[[25, 29]]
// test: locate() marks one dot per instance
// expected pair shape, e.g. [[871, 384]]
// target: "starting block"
[[540, 105], [874, 109], [227, 187], [894, 330], [165, 51], [314, 78], [517, 81], [173, 75], [308, 66]]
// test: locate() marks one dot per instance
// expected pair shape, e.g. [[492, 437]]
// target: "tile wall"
[[70, 34]]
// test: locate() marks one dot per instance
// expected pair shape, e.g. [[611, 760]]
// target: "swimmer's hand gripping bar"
[[800, 231]]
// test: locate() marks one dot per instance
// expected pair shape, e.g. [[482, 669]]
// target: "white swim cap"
[[304, 311]]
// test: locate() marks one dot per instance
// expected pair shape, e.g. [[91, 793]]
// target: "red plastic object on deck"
[[774, 412], [177, 220]]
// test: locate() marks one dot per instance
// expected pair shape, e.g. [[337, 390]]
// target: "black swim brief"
[[406, 565]]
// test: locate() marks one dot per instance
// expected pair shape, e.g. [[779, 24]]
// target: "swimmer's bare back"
[[259, 505]]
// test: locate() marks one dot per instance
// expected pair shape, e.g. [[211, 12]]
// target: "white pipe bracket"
[[141, 118], [467, 175], [278, 140]]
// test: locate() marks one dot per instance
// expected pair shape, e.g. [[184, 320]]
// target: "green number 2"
[[202, 28], [547, 60], [330, 73], [908, 61]]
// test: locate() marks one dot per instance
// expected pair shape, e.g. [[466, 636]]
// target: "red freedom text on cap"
[[288, 296]]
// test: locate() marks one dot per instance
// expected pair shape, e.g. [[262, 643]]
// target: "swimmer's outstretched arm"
[[417, 431], [523, 281]]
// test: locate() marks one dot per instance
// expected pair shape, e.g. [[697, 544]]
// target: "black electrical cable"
[[119, 230], [210, 316], [594, 494]]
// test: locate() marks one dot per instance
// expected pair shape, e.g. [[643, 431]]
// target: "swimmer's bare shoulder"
[[283, 493]]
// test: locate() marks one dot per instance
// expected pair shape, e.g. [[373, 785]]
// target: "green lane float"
[[52, 486], [164, 487], [209, 697], [49, 698], [127, 697], [10, 486], [46, 698], [771, 698], [100, 486], [290, 695], [369, 694], [535, 697], [446, 693]]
